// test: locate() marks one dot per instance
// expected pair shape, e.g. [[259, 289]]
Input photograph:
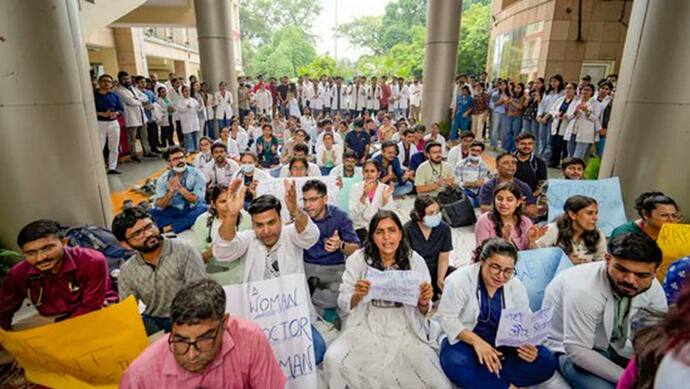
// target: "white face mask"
[[179, 169], [473, 158], [247, 168], [433, 221]]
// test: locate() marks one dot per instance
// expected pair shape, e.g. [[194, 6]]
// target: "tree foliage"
[[288, 50], [325, 65], [474, 38], [364, 32]]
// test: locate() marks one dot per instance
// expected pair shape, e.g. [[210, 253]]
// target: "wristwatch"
[[342, 246]]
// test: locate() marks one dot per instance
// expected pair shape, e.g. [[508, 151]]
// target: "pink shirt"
[[245, 360], [485, 229], [629, 377]]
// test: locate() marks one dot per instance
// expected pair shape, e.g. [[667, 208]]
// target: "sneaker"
[[114, 171]]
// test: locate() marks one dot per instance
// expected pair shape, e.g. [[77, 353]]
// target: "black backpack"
[[456, 208]]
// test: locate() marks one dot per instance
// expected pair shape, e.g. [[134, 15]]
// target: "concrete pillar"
[[440, 57], [647, 143], [181, 70], [214, 32], [50, 154], [130, 51]]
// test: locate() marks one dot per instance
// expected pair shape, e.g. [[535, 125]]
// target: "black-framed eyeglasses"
[[495, 269], [138, 234], [203, 344]]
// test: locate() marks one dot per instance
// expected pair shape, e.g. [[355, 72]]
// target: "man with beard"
[[593, 306], [135, 118], [180, 192], [158, 270], [324, 262], [270, 249], [530, 168], [221, 170], [434, 175], [61, 282]]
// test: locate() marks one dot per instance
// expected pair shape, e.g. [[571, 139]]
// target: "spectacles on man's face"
[[138, 234], [507, 272], [202, 344]]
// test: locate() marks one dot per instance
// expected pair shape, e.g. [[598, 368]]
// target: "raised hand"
[[291, 197], [232, 201], [388, 193], [333, 243]]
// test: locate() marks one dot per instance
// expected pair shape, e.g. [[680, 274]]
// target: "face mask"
[[433, 220], [247, 168], [472, 158], [179, 169]]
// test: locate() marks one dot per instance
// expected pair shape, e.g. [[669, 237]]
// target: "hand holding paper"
[[402, 286], [520, 327]]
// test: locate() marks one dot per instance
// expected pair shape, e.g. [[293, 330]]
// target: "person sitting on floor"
[[328, 154], [270, 249], [324, 262], [655, 210], [158, 270], [461, 150], [384, 344], [506, 166], [207, 348], [593, 306], [469, 313], [471, 173], [391, 170], [301, 151], [368, 197], [222, 169], [434, 176], [572, 168], [180, 193], [204, 156], [266, 147], [61, 282]]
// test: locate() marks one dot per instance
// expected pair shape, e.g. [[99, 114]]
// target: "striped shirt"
[[179, 263]]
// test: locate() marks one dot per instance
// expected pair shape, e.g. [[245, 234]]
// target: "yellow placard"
[[88, 351], [674, 241]]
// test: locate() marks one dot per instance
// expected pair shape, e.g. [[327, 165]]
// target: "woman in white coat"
[[188, 107], [583, 123], [470, 309], [559, 124], [384, 344], [328, 154], [223, 101], [368, 197]]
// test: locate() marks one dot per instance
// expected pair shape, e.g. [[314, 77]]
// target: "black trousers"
[[559, 150], [153, 135], [180, 135]]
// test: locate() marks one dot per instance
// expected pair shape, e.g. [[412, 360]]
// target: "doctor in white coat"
[[223, 101], [594, 305], [135, 118], [188, 108], [270, 249]]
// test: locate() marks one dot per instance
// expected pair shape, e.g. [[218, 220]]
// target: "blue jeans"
[[579, 378], [498, 125], [530, 126], [512, 130], [191, 141], [473, 195], [578, 149], [319, 345], [153, 324], [402, 189], [462, 367], [326, 170], [210, 129], [222, 123], [179, 220], [543, 141], [600, 146]]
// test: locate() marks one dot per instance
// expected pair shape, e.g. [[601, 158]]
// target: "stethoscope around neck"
[[479, 300]]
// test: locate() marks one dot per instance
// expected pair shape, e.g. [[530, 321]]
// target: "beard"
[[150, 244], [623, 289]]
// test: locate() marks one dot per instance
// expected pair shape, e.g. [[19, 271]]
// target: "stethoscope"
[[488, 315]]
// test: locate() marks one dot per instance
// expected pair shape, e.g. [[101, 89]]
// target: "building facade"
[[573, 38]]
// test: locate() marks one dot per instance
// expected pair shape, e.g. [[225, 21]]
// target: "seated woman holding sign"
[[469, 313], [384, 344], [576, 232], [368, 197]]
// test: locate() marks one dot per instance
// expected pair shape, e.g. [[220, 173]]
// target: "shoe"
[[113, 171], [135, 158], [151, 155]]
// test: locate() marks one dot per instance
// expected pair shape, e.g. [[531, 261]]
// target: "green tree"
[[364, 32], [474, 38], [399, 20], [289, 50]]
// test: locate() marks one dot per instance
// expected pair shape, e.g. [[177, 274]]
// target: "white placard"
[[280, 306], [402, 286], [518, 327]]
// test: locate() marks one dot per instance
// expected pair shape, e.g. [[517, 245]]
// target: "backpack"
[[102, 240], [456, 208]]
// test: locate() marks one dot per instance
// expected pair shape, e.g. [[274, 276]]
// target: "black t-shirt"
[[283, 90], [440, 240], [531, 172]]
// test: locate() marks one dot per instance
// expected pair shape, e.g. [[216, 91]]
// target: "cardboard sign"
[[536, 269], [280, 306], [88, 351], [674, 242]]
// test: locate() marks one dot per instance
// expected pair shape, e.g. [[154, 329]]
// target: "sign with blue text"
[[280, 306], [536, 268], [400, 286], [607, 192], [519, 327]]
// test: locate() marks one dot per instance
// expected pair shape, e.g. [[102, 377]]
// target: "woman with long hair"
[[576, 232], [431, 238], [515, 108], [529, 115], [583, 124], [469, 313], [384, 343], [506, 219], [461, 112], [188, 107], [368, 197], [655, 210], [555, 90], [498, 101], [674, 370], [559, 124]]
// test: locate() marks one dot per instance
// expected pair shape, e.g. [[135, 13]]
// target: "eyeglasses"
[[43, 250], [138, 234], [669, 216], [495, 270], [203, 344]]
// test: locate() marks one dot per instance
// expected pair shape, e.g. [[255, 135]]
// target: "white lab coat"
[[326, 95], [338, 157], [361, 214], [242, 139], [554, 110], [585, 127], [312, 170], [224, 105], [220, 175], [583, 308], [358, 97], [264, 102], [210, 109], [174, 97], [343, 98], [416, 95], [459, 306], [401, 96], [401, 152], [439, 139], [374, 97], [187, 108], [337, 139], [133, 100]]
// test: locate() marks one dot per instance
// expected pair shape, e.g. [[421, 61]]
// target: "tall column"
[[440, 57], [51, 161], [214, 32], [647, 143], [129, 47]]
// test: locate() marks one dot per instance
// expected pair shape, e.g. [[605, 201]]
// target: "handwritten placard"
[[674, 242], [521, 327], [91, 350], [607, 192], [400, 286], [280, 306], [536, 268], [276, 187]]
